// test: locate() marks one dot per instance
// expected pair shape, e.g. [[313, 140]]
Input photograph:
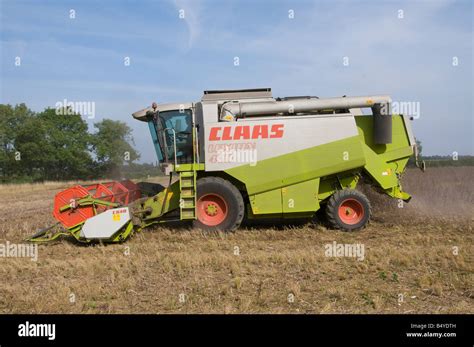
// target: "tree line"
[[441, 160], [52, 145]]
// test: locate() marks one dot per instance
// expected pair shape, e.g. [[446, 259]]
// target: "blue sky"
[[173, 59]]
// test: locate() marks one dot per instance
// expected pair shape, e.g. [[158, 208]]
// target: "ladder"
[[187, 189]]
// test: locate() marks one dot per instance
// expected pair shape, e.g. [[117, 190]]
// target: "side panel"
[[301, 197], [296, 198], [300, 166], [385, 163], [106, 224], [400, 138], [251, 140], [266, 202]]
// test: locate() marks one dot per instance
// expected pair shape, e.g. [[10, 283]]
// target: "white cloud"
[[191, 12]]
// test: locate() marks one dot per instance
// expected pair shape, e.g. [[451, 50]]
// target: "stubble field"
[[418, 259]]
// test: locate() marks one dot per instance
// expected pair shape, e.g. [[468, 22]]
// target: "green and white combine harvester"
[[243, 154]]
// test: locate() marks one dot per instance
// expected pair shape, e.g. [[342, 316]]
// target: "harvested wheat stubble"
[[411, 264]]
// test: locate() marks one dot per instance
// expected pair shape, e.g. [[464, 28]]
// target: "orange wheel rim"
[[351, 211], [212, 209]]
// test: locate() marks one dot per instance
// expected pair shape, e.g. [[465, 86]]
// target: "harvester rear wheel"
[[348, 210], [220, 205]]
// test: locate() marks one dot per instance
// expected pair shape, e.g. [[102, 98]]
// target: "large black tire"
[[220, 205], [348, 210]]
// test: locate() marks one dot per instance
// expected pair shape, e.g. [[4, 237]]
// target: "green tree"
[[55, 146], [113, 146], [12, 119]]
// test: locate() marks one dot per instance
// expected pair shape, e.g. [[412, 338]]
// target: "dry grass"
[[408, 251]]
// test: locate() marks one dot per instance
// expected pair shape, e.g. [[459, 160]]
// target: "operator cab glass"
[[171, 125]]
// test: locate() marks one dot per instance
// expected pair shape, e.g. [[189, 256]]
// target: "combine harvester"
[[243, 153]]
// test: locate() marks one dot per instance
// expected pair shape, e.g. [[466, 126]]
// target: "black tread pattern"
[[335, 200], [240, 210]]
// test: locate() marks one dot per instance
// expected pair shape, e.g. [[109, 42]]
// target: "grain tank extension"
[[240, 154]]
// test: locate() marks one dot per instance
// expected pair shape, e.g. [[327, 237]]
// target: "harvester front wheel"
[[220, 205], [348, 210]]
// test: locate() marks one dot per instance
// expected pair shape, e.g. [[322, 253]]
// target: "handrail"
[[174, 145], [196, 142]]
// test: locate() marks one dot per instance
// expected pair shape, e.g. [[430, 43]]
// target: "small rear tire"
[[348, 210]]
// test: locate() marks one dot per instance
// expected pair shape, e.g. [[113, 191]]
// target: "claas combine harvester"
[[244, 154]]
